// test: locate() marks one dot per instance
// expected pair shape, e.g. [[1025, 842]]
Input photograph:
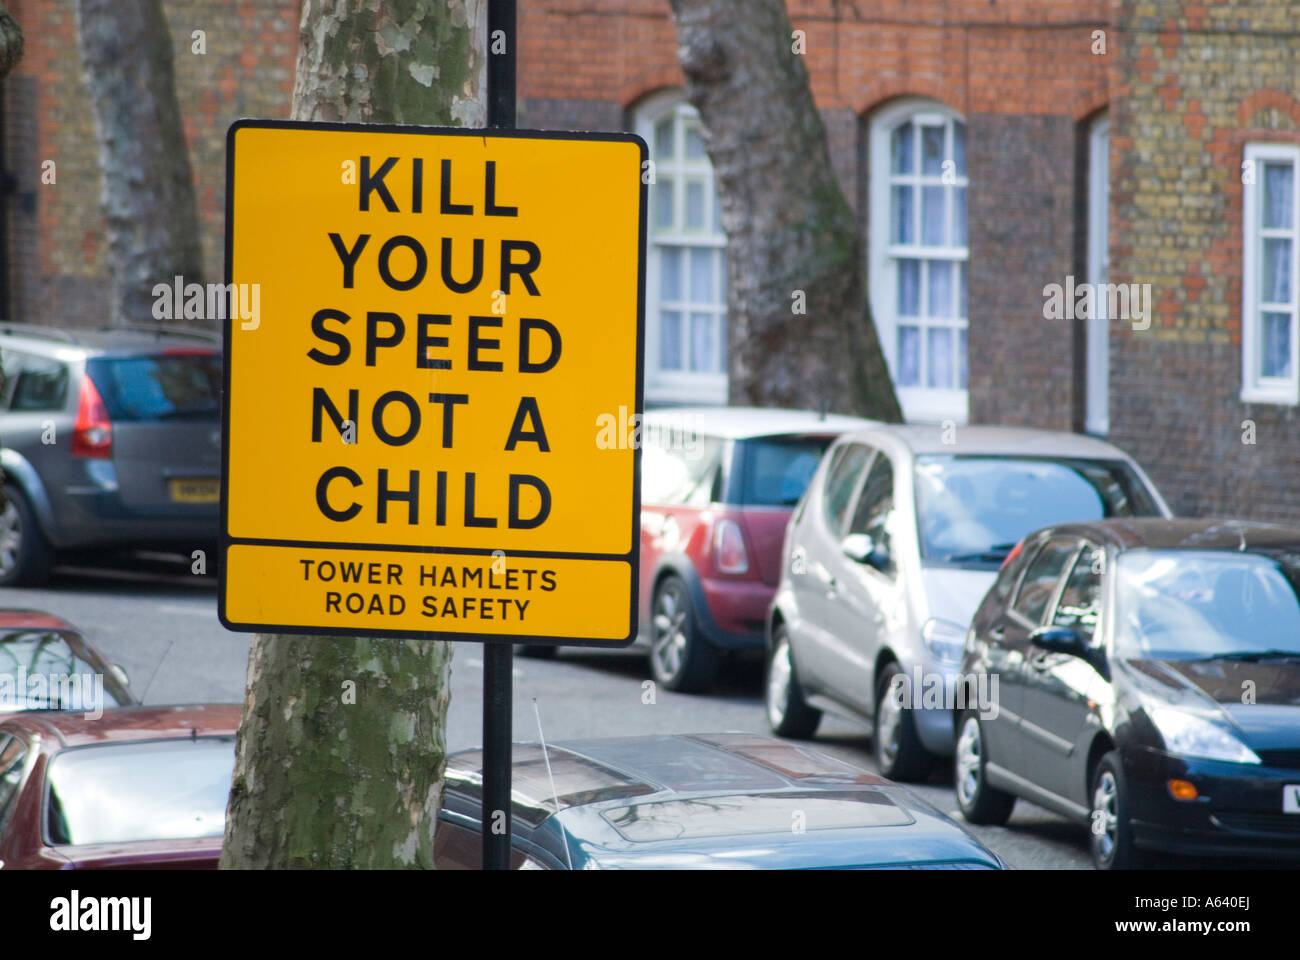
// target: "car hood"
[[954, 594], [1262, 700]]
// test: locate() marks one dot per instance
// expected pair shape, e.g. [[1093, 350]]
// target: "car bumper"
[[101, 519], [1238, 810], [733, 613]]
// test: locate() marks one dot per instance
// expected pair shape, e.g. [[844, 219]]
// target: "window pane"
[[717, 213], [1276, 359], [704, 342], [961, 359], [42, 385], [961, 289], [1278, 183], [901, 148], [695, 209], [940, 289], [670, 340], [932, 217], [959, 216], [909, 288], [959, 147], [694, 143], [670, 273], [702, 274], [901, 204], [1276, 286], [940, 349], [932, 151], [663, 191], [664, 139], [909, 356]]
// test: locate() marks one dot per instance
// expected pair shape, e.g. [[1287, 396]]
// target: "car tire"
[[1110, 832], [681, 658], [26, 556], [979, 803], [788, 713], [537, 651], [894, 740]]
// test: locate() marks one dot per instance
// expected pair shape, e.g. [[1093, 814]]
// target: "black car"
[[1146, 682]]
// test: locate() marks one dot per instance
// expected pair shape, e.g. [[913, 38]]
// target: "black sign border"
[[225, 541]]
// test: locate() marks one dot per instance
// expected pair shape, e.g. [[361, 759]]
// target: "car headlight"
[[944, 639], [1191, 736]]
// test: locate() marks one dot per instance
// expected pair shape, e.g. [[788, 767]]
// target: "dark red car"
[[46, 664], [718, 485], [141, 787]]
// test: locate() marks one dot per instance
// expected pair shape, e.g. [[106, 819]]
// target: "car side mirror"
[[1059, 640], [864, 549], [119, 674]]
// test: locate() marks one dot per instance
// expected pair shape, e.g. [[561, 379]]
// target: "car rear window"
[[778, 469], [127, 792], [179, 385]]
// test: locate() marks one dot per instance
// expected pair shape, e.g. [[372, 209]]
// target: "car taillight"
[[93, 434], [729, 548]]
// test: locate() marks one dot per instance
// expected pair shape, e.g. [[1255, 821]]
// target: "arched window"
[[686, 302], [918, 254]]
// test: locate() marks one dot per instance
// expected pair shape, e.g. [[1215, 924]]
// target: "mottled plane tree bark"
[[147, 184], [319, 781], [800, 332], [11, 42]]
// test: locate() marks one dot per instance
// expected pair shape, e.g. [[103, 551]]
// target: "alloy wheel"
[[668, 641], [970, 752], [1105, 815], [778, 684], [11, 538]]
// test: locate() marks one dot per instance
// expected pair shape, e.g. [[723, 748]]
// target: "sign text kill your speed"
[[413, 422]]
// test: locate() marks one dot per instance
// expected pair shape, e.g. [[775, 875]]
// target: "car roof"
[[959, 440], [11, 619], [740, 423], [123, 724], [670, 800], [141, 339], [1185, 534]]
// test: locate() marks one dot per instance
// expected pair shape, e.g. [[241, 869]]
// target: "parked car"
[[712, 801], [889, 554], [717, 487], [1149, 686], [139, 787], [45, 664], [110, 439]]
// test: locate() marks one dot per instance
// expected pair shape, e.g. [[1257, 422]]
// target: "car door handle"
[[998, 633]]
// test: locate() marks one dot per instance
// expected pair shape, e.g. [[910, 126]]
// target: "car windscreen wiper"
[[994, 554], [1251, 656]]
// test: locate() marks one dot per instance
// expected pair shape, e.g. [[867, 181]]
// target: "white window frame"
[[919, 403], [677, 386], [1097, 417], [1256, 388]]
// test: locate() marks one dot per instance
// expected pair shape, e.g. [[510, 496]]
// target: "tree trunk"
[[800, 332], [11, 42], [320, 782], [148, 188]]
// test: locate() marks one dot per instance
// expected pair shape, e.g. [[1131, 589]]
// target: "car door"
[[1058, 686], [814, 559], [868, 597], [1038, 746]]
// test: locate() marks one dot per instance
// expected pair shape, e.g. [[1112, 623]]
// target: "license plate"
[[1291, 798], [203, 490]]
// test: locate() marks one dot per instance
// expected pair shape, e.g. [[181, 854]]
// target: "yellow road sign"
[[427, 330]]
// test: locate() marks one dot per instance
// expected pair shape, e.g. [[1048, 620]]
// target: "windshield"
[[779, 469], [124, 792], [184, 384], [1191, 605], [974, 510]]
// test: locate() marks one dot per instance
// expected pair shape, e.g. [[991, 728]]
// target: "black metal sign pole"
[[498, 656]]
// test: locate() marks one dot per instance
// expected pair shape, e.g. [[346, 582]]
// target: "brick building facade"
[[990, 148]]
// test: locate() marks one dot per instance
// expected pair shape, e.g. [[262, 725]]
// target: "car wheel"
[[1111, 833], [898, 748], [979, 802], [26, 557], [788, 714], [536, 651], [680, 657]]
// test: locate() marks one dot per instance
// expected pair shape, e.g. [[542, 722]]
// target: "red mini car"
[[139, 787], [718, 485]]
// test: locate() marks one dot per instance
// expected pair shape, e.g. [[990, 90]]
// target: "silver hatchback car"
[[900, 534]]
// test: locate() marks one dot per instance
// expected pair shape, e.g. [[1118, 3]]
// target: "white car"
[[900, 534]]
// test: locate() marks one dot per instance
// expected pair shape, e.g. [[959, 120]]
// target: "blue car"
[[700, 802]]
